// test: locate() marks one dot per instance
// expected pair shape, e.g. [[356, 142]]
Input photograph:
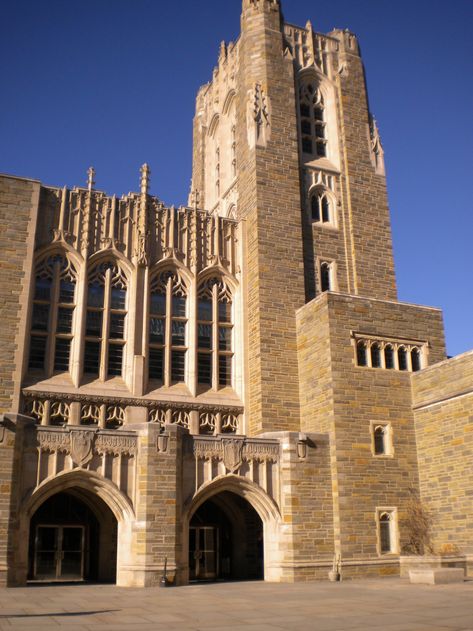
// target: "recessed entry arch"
[[230, 532], [75, 527]]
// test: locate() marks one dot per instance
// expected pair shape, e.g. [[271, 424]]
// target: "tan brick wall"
[[443, 404], [365, 208], [269, 199], [341, 398], [18, 208]]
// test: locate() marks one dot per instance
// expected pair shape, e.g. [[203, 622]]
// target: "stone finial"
[[145, 179], [308, 26], [195, 198], [90, 178], [223, 52]]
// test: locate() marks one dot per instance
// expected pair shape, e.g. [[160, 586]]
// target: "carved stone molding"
[[131, 402], [81, 444], [233, 451], [57, 440]]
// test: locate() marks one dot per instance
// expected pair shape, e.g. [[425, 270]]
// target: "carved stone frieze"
[[116, 444], [130, 402], [82, 444], [234, 451], [53, 440]]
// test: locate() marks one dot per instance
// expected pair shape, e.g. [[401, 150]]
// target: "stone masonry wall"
[[365, 207], [443, 410], [18, 208], [307, 509], [353, 397], [269, 200]]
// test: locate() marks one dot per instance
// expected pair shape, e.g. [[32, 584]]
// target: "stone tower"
[[232, 387]]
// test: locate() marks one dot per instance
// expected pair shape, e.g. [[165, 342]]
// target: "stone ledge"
[[440, 576]]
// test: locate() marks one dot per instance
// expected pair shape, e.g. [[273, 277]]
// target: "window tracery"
[[105, 330], [312, 120], [214, 334], [390, 355], [320, 207], [53, 314], [167, 328]]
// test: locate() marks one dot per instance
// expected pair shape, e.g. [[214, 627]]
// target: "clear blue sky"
[[111, 83]]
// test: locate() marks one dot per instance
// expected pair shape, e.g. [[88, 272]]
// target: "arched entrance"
[[231, 527], [226, 540], [91, 501], [72, 537]]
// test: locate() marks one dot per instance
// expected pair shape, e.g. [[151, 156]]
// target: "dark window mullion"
[[53, 309], [167, 334], [105, 327], [215, 368]]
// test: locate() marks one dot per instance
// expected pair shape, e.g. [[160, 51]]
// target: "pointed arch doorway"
[[72, 538], [226, 540]]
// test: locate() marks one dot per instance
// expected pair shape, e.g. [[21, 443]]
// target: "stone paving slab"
[[388, 604]]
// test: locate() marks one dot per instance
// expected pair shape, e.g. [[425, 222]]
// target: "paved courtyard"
[[390, 604]]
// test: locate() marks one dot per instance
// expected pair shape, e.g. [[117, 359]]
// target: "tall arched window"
[[326, 282], [320, 207], [167, 328], [361, 356], [52, 319], [105, 322], [415, 359], [402, 358], [214, 334], [388, 356], [375, 355], [312, 120], [386, 521]]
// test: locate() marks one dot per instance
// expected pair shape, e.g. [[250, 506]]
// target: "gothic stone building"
[[231, 386]]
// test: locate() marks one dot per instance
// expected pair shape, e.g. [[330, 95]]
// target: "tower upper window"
[[53, 312], [312, 120], [326, 283], [320, 207]]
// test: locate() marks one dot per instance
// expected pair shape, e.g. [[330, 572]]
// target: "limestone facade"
[[230, 389]]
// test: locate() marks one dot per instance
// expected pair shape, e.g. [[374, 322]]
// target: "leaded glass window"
[[167, 329], [214, 335], [312, 120], [105, 326], [53, 315]]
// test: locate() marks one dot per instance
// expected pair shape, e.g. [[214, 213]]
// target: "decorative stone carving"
[[258, 117], [116, 444], [251, 449], [82, 443], [49, 440], [232, 454]]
